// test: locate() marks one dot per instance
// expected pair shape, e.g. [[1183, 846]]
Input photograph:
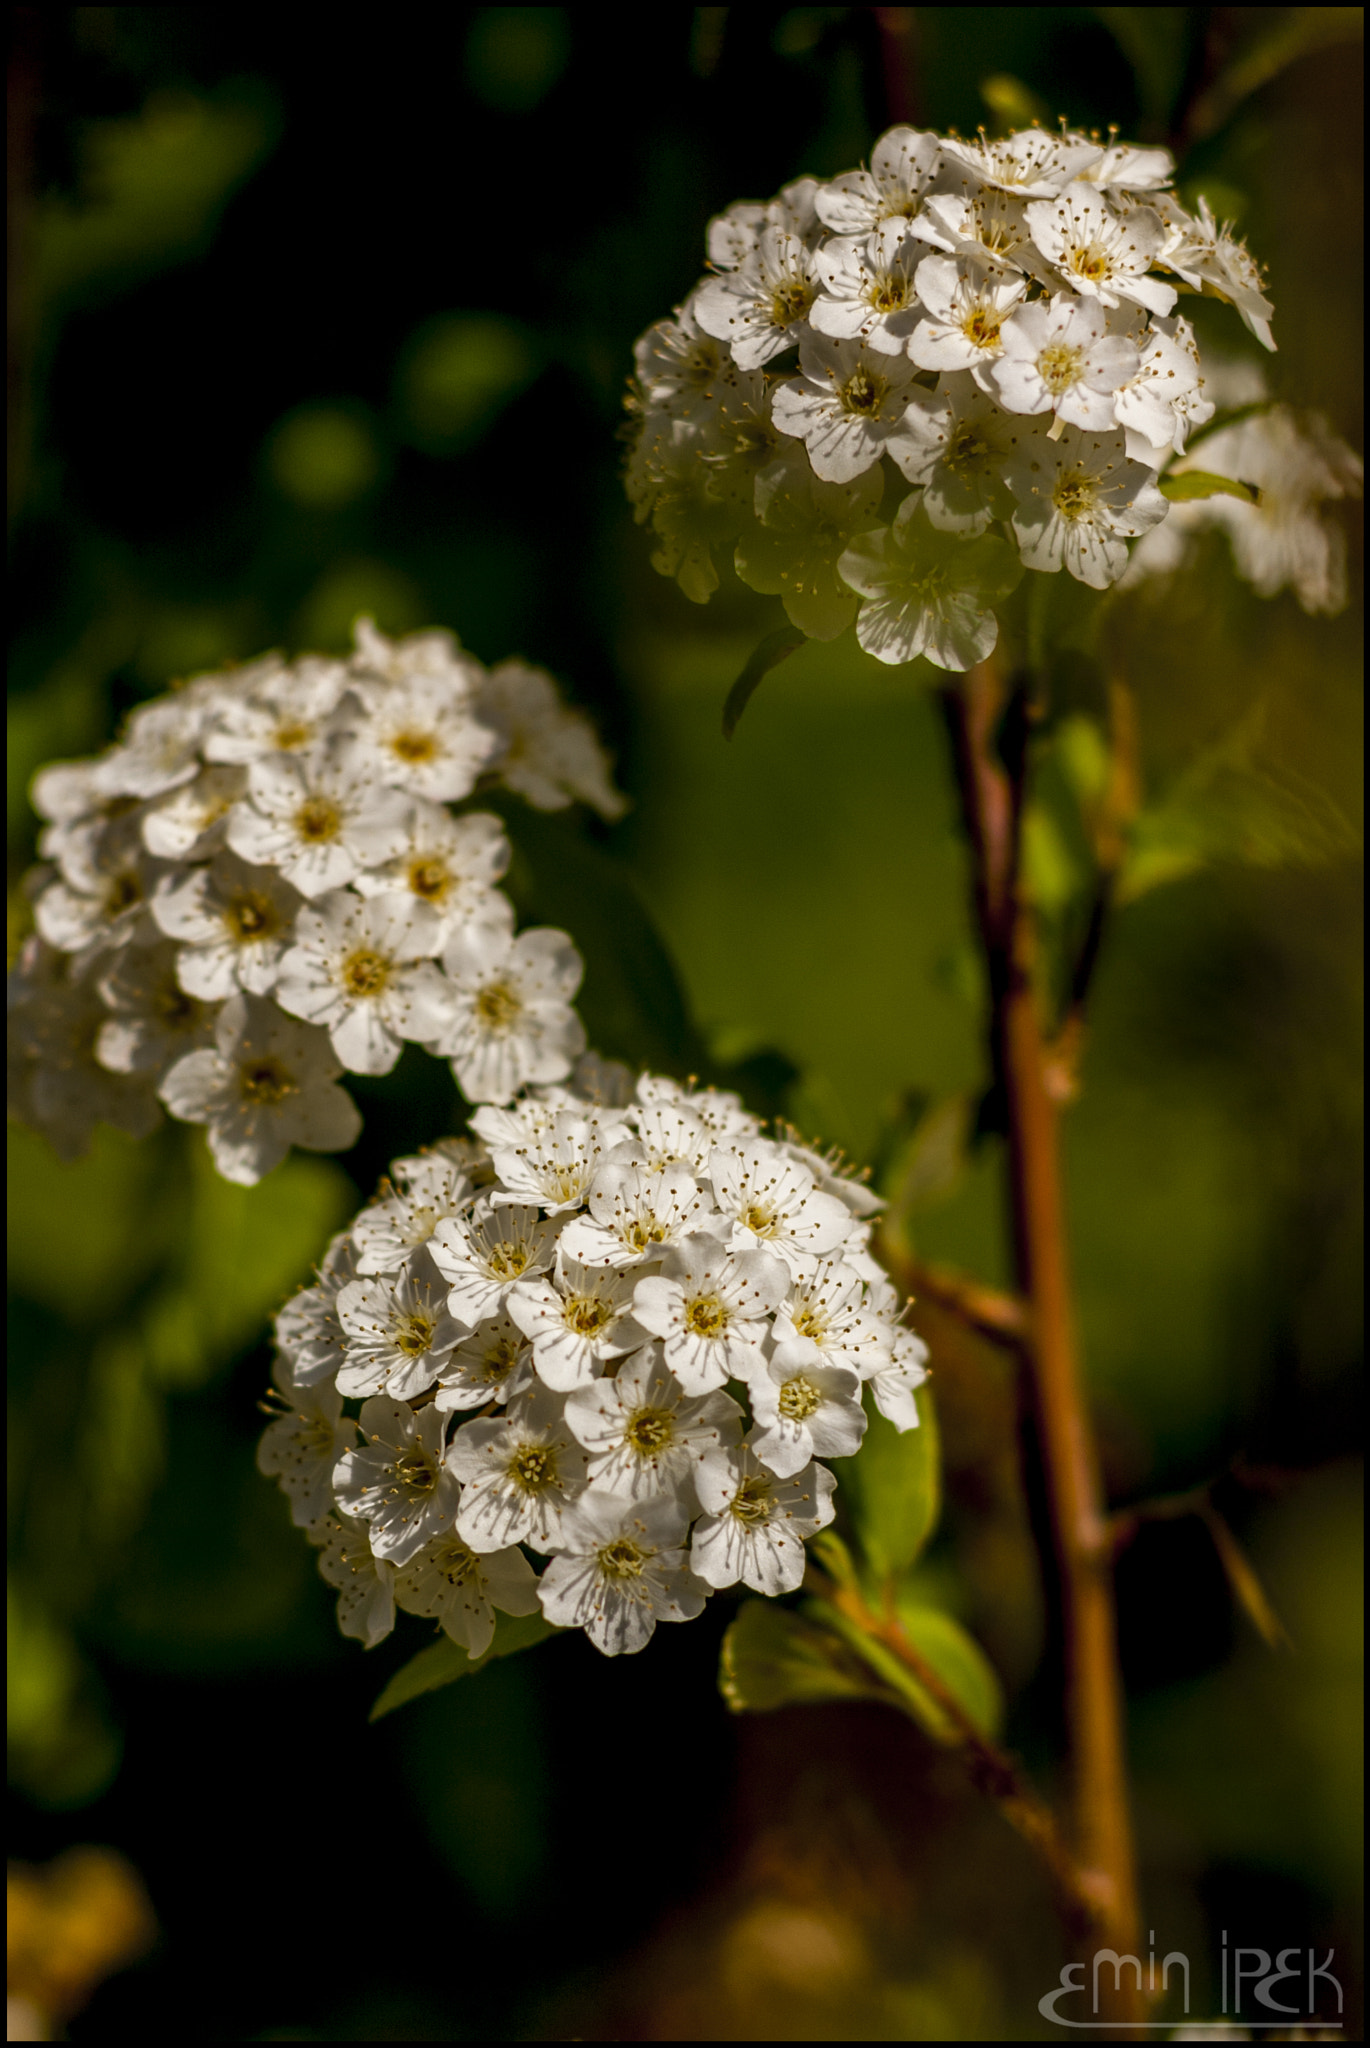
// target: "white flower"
[[1031, 163], [552, 1165], [397, 1333], [454, 1586], [485, 1253], [320, 818], [1205, 252], [152, 1020], [643, 1434], [802, 1407], [519, 1475], [990, 227], [160, 749], [303, 1443], [683, 369], [512, 1016], [1079, 501], [760, 310], [959, 447], [893, 1384], [433, 1187], [670, 1135], [1101, 253], [967, 306], [309, 1332], [710, 1305], [576, 1321], [285, 711], [233, 923], [808, 525], [1285, 541], [424, 735], [1159, 406], [495, 1363], [1124, 167], [398, 1479], [101, 899], [901, 169], [362, 968], [826, 1310], [432, 653], [868, 288], [832, 1173], [365, 1582], [731, 236], [620, 1568], [928, 593], [550, 754], [1061, 357], [634, 1211], [450, 864], [266, 1086], [189, 824], [847, 406], [754, 1524], [56, 1016], [774, 1204]]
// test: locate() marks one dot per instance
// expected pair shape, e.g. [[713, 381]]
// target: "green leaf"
[[775, 648], [443, 1662], [772, 1658], [959, 1662], [1202, 483], [893, 1487], [952, 1655], [631, 1000], [1231, 806]]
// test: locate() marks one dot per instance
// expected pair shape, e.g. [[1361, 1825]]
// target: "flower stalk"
[[988, 722]]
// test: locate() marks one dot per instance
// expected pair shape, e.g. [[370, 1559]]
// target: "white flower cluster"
[[1286, 539], [982, 333], [616, 1332], [265, 883]]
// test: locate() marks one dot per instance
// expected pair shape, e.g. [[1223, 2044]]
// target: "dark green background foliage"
[[315, 317]]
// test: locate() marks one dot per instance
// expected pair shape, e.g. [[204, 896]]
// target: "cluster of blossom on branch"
[[990, 373], [266, 883], [617, 1332]]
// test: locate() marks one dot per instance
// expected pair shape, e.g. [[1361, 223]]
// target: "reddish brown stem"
[[988, 725]]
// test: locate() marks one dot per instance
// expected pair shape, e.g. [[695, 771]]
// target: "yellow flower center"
[[429, 878], [413, 1334], [587, 1314], [1058, 366], [1092, 261], [265, 1082], [414, 746], [752, 1504], [416, 1472], [862, 391], [317, 820], [533, 1467], [799, 1399], [365, 973], [649, 1430], [1073, 495], [498, 1006], [706, 1316], [291, 734], [623, 1559], [982, 327], [791, 301], [251, 916]]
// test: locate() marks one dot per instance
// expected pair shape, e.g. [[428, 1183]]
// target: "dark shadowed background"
[[319, 314]]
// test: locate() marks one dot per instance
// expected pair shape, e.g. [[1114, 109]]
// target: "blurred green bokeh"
[[303, 332]]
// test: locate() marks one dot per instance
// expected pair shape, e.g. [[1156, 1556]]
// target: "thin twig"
[[993, 1771], [999, 1317], [988, 727]]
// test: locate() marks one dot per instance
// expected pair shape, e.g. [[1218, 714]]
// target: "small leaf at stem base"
[[445, 1661], [1202, 483]]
